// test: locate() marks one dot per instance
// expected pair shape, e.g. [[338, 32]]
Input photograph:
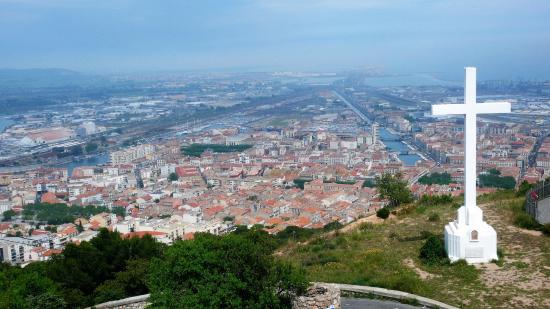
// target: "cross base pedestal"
[[470, 238]]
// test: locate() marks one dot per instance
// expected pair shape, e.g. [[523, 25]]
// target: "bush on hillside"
[[334, 225], [108, 267], [433, 217], [524, 220], [383, 213], [433, 251], [433, 200], [523, 188]]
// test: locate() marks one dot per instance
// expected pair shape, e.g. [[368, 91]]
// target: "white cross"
[[470, 109]]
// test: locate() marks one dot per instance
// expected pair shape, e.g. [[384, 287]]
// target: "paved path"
[[361, 303]]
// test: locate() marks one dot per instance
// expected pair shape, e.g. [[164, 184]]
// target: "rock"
[[318, 296]]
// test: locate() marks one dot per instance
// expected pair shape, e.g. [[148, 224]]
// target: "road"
[[362, 303], [415, 179], [353, 108], [533, 154]]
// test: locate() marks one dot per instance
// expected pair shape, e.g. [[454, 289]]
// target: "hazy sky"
[[505, 39]]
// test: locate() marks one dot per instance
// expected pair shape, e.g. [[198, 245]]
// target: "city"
[[338, 181]]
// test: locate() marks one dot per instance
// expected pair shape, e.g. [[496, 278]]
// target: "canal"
[[394, 144], [94, 160]]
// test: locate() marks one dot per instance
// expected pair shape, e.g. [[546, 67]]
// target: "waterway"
[[394, 143], [89, 161], [409, 80], [4, 123]]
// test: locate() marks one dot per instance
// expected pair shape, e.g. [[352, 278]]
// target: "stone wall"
[[319, 296], [136, 302]]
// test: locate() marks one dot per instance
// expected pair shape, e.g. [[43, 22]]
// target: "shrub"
[[366, 226], [173, 177], [523, 188], [525, 221], [334, 225], [433, 217], [433, 200], [433, 251], [383, 213], [463, 271]]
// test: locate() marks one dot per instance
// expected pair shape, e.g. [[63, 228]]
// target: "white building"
[[133, 153]]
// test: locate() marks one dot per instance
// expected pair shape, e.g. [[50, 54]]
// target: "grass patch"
[[380, 255], [520, 265]]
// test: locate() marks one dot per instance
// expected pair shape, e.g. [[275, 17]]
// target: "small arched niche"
[[474, 235]]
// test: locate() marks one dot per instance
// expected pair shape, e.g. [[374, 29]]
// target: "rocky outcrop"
[[319, 296]]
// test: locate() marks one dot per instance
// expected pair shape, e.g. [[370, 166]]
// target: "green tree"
[[47, 301], [299, 182], [75, 150], [130, 282], [369, 183], [119, 211], [82, 269], [383, 213], [393, 188], [60, 213], [27, 288], [493, 179], [8, 214], [436, 178], [231, 271], [523, 188], [91, 147], [173, 177]]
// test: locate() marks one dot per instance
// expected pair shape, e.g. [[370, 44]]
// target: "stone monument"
[[469, 237]]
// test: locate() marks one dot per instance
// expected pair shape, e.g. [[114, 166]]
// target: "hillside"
[[385, 254]]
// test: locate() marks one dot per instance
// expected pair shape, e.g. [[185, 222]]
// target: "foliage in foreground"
[[106, 268], [232, 271], [236, 270], [394, 188]]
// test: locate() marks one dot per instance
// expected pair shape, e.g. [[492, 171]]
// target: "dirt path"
[[371, 218], [526, 261]]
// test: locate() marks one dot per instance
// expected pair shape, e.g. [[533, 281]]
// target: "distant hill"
[[45, 78], [26, 89]]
